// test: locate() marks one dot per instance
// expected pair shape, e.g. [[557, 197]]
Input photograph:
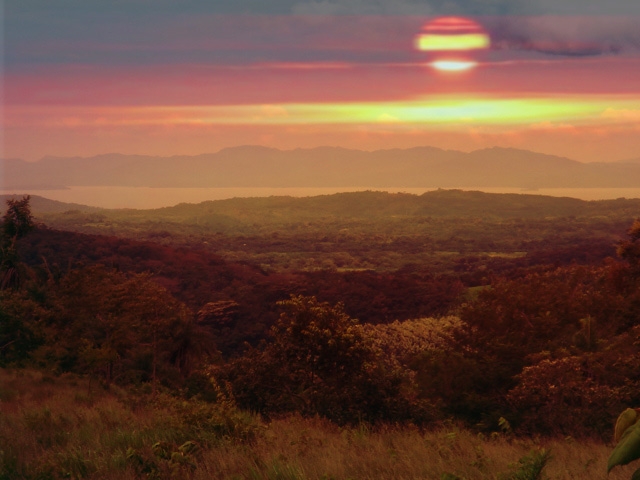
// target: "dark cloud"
[[144, 7], [566, 36], [215, 40], [141, 32], [349, 7], [467, 7]]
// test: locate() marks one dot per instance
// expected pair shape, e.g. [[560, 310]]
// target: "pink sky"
[[203, 83]]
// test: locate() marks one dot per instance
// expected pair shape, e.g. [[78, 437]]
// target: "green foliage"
[[9, 464], [405, 340], [554, 350], [48, 429], [629, 250], [628, 446], [165, 437], [544, 355], [626, 419], [121, 327], [542, 311], [471, 234], [74, 463], [166, 460], [569, 395], [17, 221], [319, 361], [18, 328], [214, 423], [530, 467], [46, 433], [447, 378], [276, 470], [587, 338], [505, 426]]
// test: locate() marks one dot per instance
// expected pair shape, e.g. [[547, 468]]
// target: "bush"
[[566, 395], [318, 361]]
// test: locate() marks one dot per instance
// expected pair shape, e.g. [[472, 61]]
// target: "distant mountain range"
[[254, 166]]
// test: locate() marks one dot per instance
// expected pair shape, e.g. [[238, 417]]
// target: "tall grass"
[[63, 427], [296, 448]]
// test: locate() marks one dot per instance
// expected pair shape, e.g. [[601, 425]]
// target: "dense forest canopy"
[[371, 306]]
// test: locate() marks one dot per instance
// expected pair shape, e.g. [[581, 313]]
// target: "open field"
[[65, 427]]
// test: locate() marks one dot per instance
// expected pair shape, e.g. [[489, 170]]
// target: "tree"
[[122, 327], [16, 223], [19, 318], [573, 395], [318, 360], [17, 220], [629, 251]]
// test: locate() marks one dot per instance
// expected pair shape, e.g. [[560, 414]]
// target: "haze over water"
[[147, 198]]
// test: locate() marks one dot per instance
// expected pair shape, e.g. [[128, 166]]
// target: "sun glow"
[[453, 65], [427, 111]]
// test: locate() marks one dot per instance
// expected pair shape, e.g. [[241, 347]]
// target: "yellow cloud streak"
[[440, 112]]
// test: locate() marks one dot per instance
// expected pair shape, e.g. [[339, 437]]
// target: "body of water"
[[145, 197]]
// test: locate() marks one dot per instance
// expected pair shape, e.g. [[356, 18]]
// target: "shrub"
[[318, 361], [566, 395]]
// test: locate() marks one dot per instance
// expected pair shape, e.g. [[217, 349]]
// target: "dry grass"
[[57, 427], [296, 448]]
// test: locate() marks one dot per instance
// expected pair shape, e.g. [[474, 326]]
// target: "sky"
[[170, 77]]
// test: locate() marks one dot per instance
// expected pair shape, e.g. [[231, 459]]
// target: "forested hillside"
[[515, 315], [440, 231]]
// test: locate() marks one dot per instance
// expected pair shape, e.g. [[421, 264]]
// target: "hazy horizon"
[[558, 78], [337, 147], [144, 198]]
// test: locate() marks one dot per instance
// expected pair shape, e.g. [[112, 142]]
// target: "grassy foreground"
[[65, 427]]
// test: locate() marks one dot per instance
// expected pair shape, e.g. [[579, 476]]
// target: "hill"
[[41, 205], [440, 232], [528, 293], [254, 166], [250, 215]]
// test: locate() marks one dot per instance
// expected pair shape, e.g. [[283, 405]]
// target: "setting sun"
[[443, 36]]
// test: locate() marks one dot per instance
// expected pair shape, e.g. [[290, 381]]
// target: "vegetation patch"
[[124, 358]]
